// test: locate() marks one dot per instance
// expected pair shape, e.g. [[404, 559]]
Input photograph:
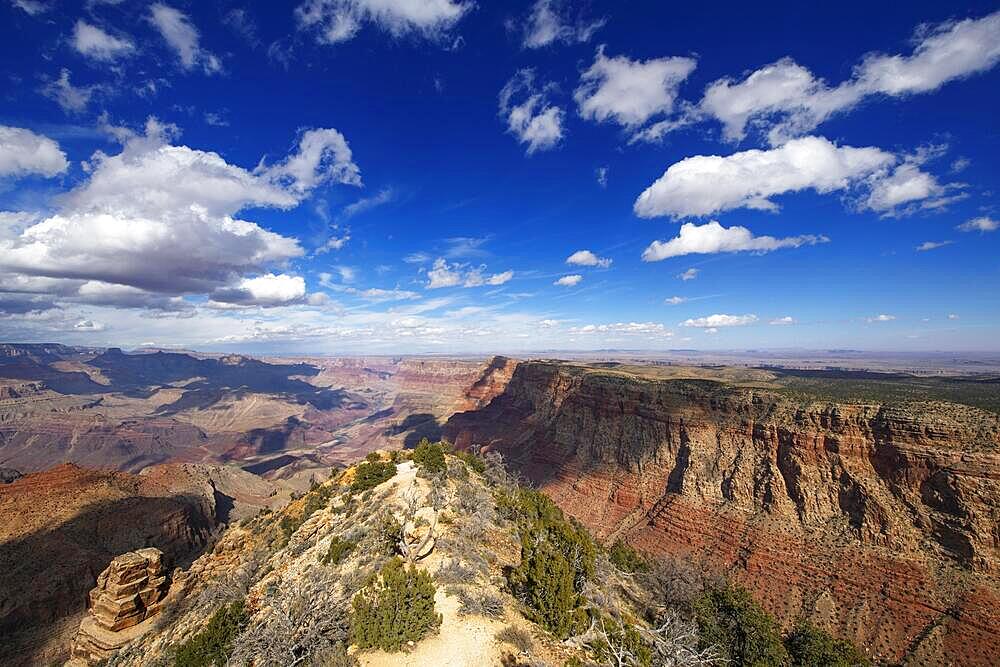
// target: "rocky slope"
[[60, 528], [878, 522]]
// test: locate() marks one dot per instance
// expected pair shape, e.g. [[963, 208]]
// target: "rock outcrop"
[[878, 522], [128, 593]]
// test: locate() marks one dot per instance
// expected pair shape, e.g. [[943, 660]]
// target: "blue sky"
[[404, 176]]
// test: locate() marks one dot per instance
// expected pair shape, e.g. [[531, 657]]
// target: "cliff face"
[[878, 522]]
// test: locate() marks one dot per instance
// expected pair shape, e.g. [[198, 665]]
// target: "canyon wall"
[[877, 522]]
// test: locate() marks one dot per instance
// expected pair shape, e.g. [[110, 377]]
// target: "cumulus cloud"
[[265, 290], [89, 325], [783, 321], [630, 92], [690, 274], [23, 152], [720, 320], [569, 281], [333, 243], [338, 21], [161, 218], [982, 224], [95, 43], [602, 176], [443, 274], [587, 258], [714, 238], [706, 184], [932, 245], [788, 100], [548, 23], [180, 35], [649, 329], [675, 300], [530, 116], [323, 156], [881, 318]]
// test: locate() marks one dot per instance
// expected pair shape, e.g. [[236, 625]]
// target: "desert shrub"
[[385, 534], [475, 603], [370, 474], [333, 656], [746, 634], [557, 559], [430, 456], [393, 608], [810, 646], [213, 645], [472, 461], [454, 572], [625, 558], [338, 549], [517, 637]]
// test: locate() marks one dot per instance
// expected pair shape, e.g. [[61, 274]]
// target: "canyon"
[[867, 502], [877, 522]]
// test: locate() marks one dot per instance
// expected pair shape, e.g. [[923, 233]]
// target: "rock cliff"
[[878, 522]]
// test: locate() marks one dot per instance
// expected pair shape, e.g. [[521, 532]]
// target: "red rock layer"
[[878, 522]]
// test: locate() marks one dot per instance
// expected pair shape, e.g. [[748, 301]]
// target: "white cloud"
[[630, 92], [88, 325], [569, 281], [881, 318], [602, 176], [690, 274], [675, 300], [384, 196], [265, 290], [896, 193], [23, 152], [953, 316], [546, 24], [960, 165], [323, 156], [706, 184], [32, 7], [721, 320], [161, 218], [587, 258], [340, 20], [783, 321], [72, 99], [786, 98], [535, 121], [982, 224], [176, 29], [443, 274], [932, 245], [333, 243], [548, 324], [646, 329], [713, 238], [95, 43]]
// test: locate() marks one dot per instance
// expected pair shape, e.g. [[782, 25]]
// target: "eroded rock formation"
[[879, 522], [128, 593]]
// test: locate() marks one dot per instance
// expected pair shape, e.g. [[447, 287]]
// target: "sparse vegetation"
[[430, 456], [338, 549], [517, 637], [472, 461], [393, 608], [370, 473], [213, 645]]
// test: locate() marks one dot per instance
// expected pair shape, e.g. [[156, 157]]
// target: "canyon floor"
[[864, 497]]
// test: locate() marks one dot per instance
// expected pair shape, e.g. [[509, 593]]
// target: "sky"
[[449, 176]]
